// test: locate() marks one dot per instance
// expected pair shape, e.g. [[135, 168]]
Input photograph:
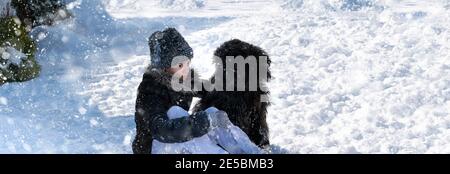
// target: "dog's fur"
[[244, 108]]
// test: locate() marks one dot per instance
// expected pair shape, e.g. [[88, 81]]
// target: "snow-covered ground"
[[351, 76]]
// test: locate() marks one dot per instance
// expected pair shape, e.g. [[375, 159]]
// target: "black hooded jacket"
[[155, 97]]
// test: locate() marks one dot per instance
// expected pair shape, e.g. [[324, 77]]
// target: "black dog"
[[246, 109]]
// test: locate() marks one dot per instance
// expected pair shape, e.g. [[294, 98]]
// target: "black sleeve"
[[180, 130]]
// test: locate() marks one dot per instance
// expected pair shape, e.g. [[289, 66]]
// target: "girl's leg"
[[230, 137]]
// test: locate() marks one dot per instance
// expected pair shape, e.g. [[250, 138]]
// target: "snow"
[[3, 101], [11, 55], [4, 10], [350, 76], [182, 4]]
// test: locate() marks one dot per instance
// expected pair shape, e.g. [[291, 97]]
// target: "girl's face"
[[182, 69]]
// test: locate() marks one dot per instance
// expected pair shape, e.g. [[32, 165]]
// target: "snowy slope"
[[351, 76], [191, 8]]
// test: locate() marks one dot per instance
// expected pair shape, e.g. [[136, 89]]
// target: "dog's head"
[[235, 49]]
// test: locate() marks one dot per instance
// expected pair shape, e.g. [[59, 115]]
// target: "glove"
[[201, 122]]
